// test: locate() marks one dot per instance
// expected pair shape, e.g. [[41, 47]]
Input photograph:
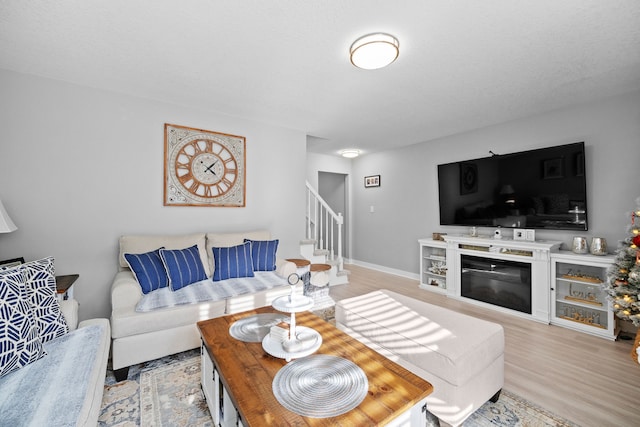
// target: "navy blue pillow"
[[235, 261], [148, 270], [183, 266], [263, 253]]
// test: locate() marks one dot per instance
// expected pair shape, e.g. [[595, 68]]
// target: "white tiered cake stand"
[[293, 304]]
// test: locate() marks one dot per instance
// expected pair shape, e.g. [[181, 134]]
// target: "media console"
[[530, 279]]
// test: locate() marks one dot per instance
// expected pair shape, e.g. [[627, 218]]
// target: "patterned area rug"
[[512, 410], [163, 392], [166, 392]]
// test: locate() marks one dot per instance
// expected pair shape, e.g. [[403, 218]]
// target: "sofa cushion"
[[59, 389], [21, 344], [137, 244], [263, 253], [453, 346], [40, 280], [206, 291], [126, 322], [183, 266], [235, 261], [148, 270], [226, 240]]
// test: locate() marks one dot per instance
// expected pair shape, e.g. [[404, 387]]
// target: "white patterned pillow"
[[39, 276], [21, 343]]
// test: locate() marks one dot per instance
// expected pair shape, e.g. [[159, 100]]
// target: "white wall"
[[79, 167], [324, 163], [406, 204]]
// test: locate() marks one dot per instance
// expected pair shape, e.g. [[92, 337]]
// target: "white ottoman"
[[461, 356]]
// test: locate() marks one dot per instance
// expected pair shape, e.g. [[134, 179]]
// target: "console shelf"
[[433, 265], [578, 298]]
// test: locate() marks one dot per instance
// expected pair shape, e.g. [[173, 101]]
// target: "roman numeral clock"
[[203, 168]]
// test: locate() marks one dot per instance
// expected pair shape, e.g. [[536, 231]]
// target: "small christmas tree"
[[623, 281]]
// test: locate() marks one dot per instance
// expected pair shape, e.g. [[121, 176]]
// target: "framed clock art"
[[203, 168]]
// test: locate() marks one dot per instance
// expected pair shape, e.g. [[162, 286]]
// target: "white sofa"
[[66, 386], [142, 336], [461, 356]]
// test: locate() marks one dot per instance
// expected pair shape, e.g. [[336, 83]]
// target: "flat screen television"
[[540, 189]]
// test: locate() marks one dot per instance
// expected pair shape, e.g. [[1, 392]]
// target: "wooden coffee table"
[[237, 379]]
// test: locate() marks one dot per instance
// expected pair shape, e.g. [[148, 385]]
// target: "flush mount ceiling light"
[[350, 154], [374, 51]]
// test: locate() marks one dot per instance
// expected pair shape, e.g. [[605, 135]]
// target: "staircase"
[[323, 237]]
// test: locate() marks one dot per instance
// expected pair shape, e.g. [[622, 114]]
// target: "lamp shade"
[[6, 225], [374, 51]]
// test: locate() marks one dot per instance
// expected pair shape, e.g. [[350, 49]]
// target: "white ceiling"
[[463, 64]]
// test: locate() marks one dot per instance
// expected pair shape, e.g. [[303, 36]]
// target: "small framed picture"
[[553, 168], [8, 263], [372, 181], [468, 178]]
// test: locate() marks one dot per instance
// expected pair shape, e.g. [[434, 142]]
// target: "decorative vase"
[[598, 246], [580, 245]]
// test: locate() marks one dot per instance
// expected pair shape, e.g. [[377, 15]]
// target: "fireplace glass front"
[[499, 282]]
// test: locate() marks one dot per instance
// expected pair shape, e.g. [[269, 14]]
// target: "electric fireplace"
[[496, 281]]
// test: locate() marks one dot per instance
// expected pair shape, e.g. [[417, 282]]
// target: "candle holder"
[[580, 245], [598, 246]]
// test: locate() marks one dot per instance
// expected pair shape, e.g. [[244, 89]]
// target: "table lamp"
[[6, 225]]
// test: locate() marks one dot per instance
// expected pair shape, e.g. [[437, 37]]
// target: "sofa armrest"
[[284, 268], [69, 309], [125, 291]]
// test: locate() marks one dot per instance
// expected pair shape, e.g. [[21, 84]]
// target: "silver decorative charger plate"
[[255, 328], [320, 386]]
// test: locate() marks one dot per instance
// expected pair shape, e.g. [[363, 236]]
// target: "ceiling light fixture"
[[350, 154], [374, 51]]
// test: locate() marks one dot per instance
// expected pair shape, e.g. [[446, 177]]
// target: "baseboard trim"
[[384, 269]]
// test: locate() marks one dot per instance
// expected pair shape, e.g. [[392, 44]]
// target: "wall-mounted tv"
[[540, 189]]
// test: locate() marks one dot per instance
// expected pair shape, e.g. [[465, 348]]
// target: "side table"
[[64, 285]]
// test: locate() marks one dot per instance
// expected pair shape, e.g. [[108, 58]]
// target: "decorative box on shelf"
[[579, 300]]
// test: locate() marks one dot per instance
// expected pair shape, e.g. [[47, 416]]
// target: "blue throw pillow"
[[40, 280], [263, 253], [21, 343], [148, 270], [235, 261], [183, 266]]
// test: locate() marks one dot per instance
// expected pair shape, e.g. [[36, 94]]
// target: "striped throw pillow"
[[235, 261], [183, 266], [148, 270], [263, 253]]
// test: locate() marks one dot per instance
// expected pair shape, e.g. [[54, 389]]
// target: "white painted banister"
[[324, 226]]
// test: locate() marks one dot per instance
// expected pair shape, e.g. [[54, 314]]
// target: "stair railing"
[[324, 226]]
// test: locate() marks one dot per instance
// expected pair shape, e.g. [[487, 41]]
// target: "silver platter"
[[320, 386], [255, 328]]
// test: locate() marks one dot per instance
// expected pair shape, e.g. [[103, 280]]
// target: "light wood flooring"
[[588, 380]]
